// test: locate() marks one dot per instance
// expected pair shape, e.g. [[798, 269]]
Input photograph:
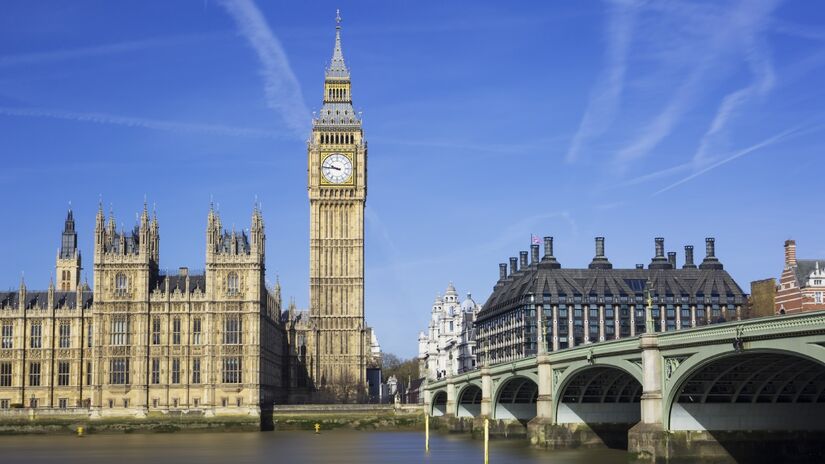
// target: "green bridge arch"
[[692, 402]]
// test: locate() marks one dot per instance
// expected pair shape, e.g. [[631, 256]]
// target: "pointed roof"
[[68, 225], [68, 243], [337, 68], [451, 290]]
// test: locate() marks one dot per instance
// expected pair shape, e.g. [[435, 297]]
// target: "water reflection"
[[283, 447]]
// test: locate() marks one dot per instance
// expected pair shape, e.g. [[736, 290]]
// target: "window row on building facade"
[[579, 306]]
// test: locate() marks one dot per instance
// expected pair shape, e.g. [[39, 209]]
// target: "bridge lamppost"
[[649, 325]]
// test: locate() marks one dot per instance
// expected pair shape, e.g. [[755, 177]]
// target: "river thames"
[[289, 447]]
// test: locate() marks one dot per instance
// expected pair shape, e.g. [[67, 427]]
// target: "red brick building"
[[802, 285]]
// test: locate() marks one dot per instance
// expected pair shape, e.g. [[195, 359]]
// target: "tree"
[[404, 370]]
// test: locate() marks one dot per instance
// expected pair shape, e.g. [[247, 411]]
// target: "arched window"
[[120, 283], [232, 283]]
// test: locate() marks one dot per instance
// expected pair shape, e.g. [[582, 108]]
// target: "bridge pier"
[[486, 393], [649, 439], [538, 427], [451, 399]]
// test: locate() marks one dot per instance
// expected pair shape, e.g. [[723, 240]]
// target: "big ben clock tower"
[[338, 341]]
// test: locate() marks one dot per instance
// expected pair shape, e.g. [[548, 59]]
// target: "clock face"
[[336, 168]]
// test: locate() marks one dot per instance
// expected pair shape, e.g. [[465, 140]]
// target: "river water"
[[284, 447]]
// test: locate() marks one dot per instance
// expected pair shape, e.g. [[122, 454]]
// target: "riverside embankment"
[[383, 417], [292, 417], [26, 421]]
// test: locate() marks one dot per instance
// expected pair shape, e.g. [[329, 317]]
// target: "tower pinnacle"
[[337, 68]]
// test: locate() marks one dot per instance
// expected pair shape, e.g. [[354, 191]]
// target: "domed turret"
[[450, 295], [468, 305]]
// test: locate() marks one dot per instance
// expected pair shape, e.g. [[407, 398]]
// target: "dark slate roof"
[[178, 281], [241, 240], [8, 298], [36, 299], [131, 242], [696, 285], [40, 299], [804, 268]]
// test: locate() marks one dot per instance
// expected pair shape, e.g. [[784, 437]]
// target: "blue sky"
[[486, 122]]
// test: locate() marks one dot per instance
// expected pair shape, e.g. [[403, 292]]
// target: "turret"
[[100, 231], [67, 264], [126, 260], [213, 231], [257, 236], [50, 293], [154, 237], [277, 293], [21, 294]]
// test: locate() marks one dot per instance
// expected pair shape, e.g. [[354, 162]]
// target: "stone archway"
[[469, 401], [516, 399], [761, 390], [439, 404], [761, 405], [600, 403]]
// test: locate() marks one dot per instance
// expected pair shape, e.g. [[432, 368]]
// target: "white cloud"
[[281, 87], [764, 80], [605, 97], [725, 35], [156, 124], [793, 132], [52, 56]]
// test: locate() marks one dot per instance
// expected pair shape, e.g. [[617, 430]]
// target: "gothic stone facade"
[[333, 342], [142, 340]]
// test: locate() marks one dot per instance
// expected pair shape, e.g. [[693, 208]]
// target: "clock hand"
[[331, 167]]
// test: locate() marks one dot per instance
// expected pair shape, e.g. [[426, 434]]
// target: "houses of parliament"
[[138, 340]]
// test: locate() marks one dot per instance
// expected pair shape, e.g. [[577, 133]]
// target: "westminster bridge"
[[746, 389]]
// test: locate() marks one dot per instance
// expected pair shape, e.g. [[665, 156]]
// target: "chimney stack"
[[502, 271], [513, 265], [523, 257], [790, 253], [549, 261], [534, 254], [659, 261], [671, 258], [689, 258], [600, 261], [710, 261]]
